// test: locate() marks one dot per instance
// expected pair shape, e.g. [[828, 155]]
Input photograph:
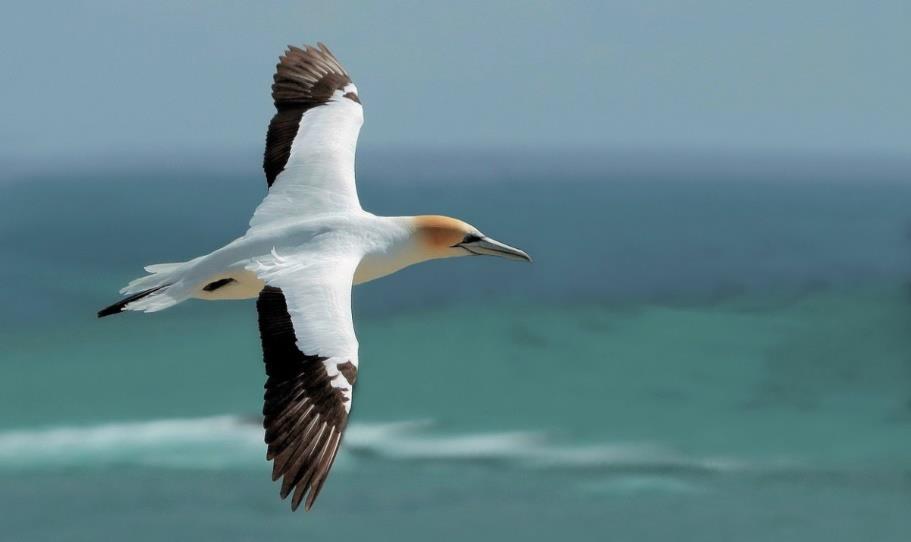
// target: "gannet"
[[308, 243]]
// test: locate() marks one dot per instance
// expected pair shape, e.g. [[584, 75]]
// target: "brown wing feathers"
[[304, 416], [304, 78]]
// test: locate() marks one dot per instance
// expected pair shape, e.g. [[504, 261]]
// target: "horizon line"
[[589, 159]]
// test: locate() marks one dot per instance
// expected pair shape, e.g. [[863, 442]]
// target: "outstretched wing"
[[310, 352], [310, 145]]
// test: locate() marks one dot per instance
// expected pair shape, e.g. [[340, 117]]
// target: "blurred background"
[[712, 344]]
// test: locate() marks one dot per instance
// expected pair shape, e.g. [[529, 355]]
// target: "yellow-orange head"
[[445, 237]]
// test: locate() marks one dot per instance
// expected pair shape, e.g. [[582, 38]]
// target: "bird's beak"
[[485, 246]]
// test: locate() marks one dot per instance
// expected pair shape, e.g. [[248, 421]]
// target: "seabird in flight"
[[308, 242]]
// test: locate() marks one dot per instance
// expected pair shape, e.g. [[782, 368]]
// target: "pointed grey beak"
[[485, 246]]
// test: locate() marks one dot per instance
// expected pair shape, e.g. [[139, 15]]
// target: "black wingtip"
[[113, 309]]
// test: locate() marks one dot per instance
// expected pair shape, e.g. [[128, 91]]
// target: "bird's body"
[[308, 243], [384, 245]]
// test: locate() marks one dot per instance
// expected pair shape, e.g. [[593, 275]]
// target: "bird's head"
[[445, 237]]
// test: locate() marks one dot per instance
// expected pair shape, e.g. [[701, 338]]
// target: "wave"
[[231, 442]]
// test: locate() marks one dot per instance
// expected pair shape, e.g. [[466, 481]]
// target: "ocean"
[[703, 349]]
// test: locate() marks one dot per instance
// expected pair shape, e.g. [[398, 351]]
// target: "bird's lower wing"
[[310, 352]]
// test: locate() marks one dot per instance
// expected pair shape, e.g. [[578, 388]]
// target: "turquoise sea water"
[[696, 354]]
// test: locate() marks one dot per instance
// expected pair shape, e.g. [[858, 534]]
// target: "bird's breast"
[[376, 265]]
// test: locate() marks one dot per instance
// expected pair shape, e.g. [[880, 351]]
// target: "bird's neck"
[[403, 242]]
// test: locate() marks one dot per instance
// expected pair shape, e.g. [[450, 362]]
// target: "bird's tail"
[[160, 289]]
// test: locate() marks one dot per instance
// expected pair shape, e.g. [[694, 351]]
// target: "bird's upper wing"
[[310, 352], [309, 157]]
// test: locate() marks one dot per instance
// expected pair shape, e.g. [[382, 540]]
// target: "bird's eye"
[[471, 238]]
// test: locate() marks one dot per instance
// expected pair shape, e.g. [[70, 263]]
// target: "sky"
[[113, 78]]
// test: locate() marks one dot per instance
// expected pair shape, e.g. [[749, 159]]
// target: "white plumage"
[[319, 175]]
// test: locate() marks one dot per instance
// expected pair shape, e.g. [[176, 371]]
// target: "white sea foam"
[[222, 442], [212, 442]]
